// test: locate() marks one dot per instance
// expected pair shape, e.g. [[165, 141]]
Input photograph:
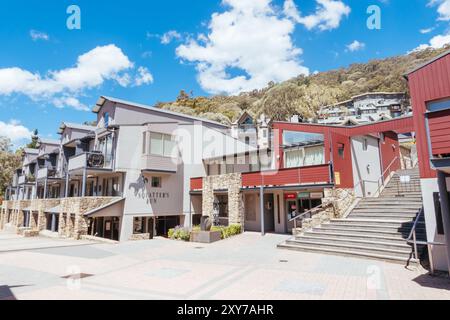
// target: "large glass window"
[[303, 149], [105, 145], [162, 144], [438, 105]]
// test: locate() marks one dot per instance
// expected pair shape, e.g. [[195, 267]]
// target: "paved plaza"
[[245, 267]]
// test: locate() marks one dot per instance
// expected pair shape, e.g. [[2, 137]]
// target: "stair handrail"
[[412, 239], [304, 214], [382, 181]]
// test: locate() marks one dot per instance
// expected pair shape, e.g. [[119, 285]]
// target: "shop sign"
[[316, 195], [304, 195], [337, 178], [290, 196]]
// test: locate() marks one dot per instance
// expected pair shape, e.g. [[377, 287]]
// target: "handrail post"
[[430, 258], [416, 254]]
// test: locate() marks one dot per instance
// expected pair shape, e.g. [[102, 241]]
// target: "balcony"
[[310, 175], [89, 160], [22, 179], [153, 163], [42, 173], [318, 174]]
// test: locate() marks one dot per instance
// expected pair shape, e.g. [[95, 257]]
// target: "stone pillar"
[[42, 221]]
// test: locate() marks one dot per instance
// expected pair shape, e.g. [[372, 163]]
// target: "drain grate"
[[78, 276]]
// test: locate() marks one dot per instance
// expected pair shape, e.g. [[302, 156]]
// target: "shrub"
[[227, 232], [179, 233]]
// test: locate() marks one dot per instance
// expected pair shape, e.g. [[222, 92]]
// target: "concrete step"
[[380, 228], [397, 238], [352, 247], [393, 200], [372, 244], [402, 204], [372, 222], [337, 229], [351, 253], [385, 209], [374, 216]]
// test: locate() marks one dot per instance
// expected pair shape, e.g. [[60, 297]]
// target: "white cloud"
[[92, 69], [70, 102], [443, 9], [144, 77], [436, 42], [38, 35], [425, 31], [247, 46], [356, 46], [15, 131], [167, 37], [328, 15], [441, 40]]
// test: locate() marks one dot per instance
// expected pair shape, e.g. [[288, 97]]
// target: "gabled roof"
[[101, 101], [52, 142], [77, 126], [31, 151], [426, 63], [244, 115]]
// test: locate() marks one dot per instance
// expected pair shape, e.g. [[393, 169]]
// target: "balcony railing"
[[310, 175], [159, 164], [82, 160], [22, 179], [318, 174], [42, 173]]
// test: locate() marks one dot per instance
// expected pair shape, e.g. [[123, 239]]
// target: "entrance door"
[[291, 208], [111, 228], [163, 224], [269, 213]]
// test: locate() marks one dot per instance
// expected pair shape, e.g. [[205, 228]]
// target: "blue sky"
[[147, 51]]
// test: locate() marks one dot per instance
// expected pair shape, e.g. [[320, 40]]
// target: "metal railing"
[[383, 181], [310, 212], [412, 239]]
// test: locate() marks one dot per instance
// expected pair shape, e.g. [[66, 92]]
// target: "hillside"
[[305, 95]]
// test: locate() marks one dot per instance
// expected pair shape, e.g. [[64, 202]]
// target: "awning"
[[56, 209], [112, 209]]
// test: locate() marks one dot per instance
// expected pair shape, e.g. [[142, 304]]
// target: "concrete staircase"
[[377, 228]]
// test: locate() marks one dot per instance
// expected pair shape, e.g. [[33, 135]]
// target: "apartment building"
[[430, 94], [304, 166], [127, 178], [365, 108]]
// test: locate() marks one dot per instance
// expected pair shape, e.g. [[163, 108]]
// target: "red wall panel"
[[429, 83], [439, 124]]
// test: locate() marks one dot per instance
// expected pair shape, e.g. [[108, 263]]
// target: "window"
[[162, 144], [144, 143], [304, 157], [365, 144], [438, 105], [156, 182], [106, 119], [341, 149]]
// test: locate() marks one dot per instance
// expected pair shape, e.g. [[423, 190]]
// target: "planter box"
[[206, 236]]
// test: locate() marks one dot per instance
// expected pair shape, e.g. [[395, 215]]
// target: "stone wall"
[[232, 183], [141, 236], [72, 222], [336, 203]]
